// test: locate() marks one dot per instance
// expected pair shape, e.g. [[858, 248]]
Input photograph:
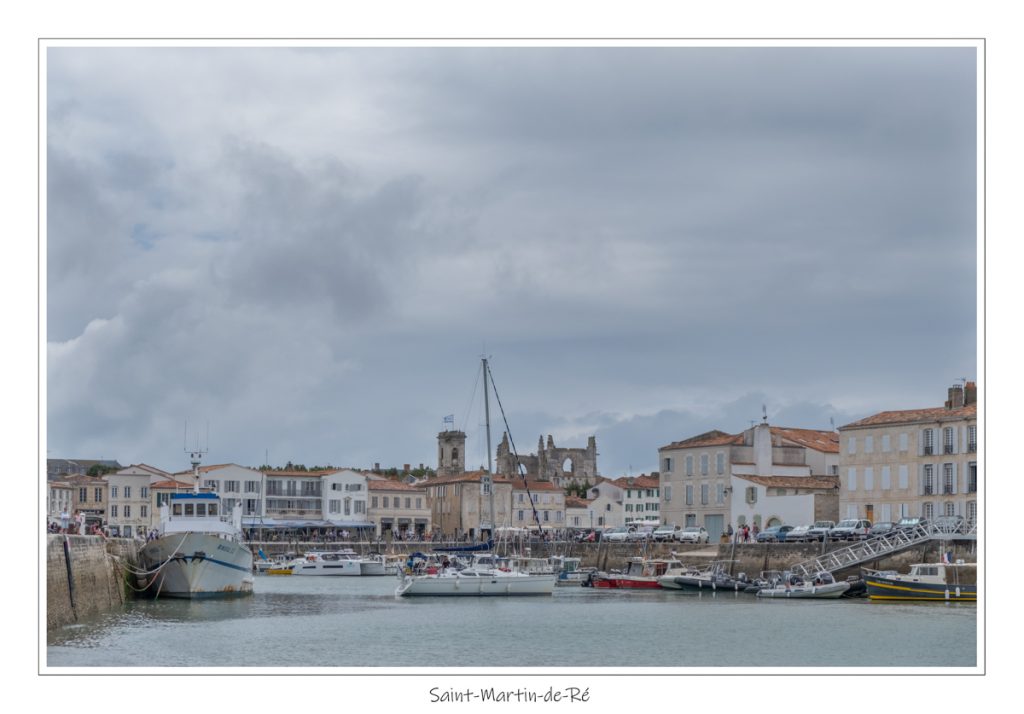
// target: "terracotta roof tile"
[[389, 485], [714, 437], [827, 482], [641, 481], [911, 416], [826, 441]]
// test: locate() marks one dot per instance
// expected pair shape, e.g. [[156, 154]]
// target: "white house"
[[606, 506], [130, 512]]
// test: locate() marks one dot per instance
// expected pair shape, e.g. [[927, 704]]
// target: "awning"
[[404, 520], [387, 520], [420, 520], [283, 523]]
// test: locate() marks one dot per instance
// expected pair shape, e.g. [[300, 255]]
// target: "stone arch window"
[[568, 466], [455, 454]]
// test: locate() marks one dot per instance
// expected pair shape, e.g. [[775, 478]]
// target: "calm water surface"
[[358, 622]]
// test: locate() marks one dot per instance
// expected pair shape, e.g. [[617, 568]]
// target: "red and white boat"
[[639, 574]]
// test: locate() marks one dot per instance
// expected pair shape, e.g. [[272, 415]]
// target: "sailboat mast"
[[490, 470]]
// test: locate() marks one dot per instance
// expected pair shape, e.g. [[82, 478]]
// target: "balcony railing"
[[947, 449], [928, 489], [928, 450], [947, 490]]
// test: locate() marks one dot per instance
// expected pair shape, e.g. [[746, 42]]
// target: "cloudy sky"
[[309, 249]]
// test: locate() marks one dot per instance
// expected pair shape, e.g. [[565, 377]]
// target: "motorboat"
[[943, 581], [568, 571], [791, 586], [713, 578], [379, 564], [639, 574], [328, 562], [198, 551], [450, 578]]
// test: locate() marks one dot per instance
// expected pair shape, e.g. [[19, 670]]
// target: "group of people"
[[744, 534]]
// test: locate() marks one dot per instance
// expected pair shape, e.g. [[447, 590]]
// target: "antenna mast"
[[196, 454], [490, 470]]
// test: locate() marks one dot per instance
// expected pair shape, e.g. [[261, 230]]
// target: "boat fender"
[[958, 591], [505, 570]]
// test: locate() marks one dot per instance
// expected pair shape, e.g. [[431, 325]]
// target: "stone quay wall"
[[749, 558], [85, 577]]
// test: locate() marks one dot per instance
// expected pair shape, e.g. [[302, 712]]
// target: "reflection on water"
[[358, 622]]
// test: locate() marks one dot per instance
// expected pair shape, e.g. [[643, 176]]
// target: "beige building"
[[89, 496], [460, 504], [916, 462], [130, 510], [716, 479], [397, 507], [578, 514], [58, 501], [543, 496]]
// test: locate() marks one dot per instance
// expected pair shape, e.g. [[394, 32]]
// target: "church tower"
[[451, 453]]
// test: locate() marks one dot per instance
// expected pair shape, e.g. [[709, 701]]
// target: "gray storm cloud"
[[310, 248]]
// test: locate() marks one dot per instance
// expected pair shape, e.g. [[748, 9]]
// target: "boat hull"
[[344, 567], [197, 565], [614, 583], [882, 588], [476, 586], [697, 584], [830, 591]]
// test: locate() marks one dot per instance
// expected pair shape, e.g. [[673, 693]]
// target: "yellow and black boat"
[[943, 582]]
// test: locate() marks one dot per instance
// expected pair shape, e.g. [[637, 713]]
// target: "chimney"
[[970, 394], [956, 397], [376, 466], [405, 468]]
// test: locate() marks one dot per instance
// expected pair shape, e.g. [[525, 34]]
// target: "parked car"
[[850, 529], [637, 533], [693, 534], [592, 535], [664, 533], [798, 534], [883, 528], [909, 523], [774, 534], [820, 530], [950, 524], [619, 534]]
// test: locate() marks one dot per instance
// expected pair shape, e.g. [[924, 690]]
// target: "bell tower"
[[451, 453]]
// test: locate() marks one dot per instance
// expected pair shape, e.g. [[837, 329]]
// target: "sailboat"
[[478, 574]]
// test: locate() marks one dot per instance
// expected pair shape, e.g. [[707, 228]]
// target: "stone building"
[[460, 504], [548, 500], [780, 475], [451, 453], [915, 462], [398, 507], [559, 465]]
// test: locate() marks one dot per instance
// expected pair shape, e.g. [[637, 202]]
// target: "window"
[[666, 464], [903, 441], [869, 444], [547, 515], [385, 502], [360, 506], [348, 506], [689, 465], [972, 512], [251, 486], [176, 509], [162, 499], [851, 479], [629, 508], [851, 445], [972, 477], [689, 495], [886, 443], [144, 492], [144, 511], [128, 511], [373, 502], [127, 491], [869, 479], [929, 480], [886, 478], [949, 509], [408, 502], [668, 493], [948, 479], [704, 464], [720, 493], [113, 492], [231, 487], [113, 511], [972, 438], [751, 494], [519, 515], [419, 502], [703, 494], [928, 510], [720, 463], [200, 510], [334, 505], [97, 494], [904, 477], [353, 487], [929, 442], [947, 440]]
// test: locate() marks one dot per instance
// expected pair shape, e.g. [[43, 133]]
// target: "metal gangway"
[[879, 546]]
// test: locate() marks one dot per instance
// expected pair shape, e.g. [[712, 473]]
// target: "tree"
[[100, 470]]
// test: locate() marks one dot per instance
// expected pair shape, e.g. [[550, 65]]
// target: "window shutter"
[[920, 479], [954, 479], [956, 433], [963, 439]]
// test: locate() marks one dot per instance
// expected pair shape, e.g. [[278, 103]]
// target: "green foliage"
[[100, 470]]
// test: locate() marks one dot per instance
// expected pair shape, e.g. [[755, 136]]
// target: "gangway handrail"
[[873, 548]]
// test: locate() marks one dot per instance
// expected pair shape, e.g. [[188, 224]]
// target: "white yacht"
[[198, 552], [475, 581], [328, 562]]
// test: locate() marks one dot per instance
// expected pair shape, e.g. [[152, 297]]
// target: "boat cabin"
[[198, 512]]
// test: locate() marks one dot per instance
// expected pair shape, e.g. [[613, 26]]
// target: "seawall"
[[84, 576], [749, 558]]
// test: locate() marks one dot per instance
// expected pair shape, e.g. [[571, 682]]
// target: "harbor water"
[[293, 621]]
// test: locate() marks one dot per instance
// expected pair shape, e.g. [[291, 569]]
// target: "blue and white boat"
[[198, 551]]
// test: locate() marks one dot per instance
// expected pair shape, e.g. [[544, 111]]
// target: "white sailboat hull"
[[197, 565], [470, 585]]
